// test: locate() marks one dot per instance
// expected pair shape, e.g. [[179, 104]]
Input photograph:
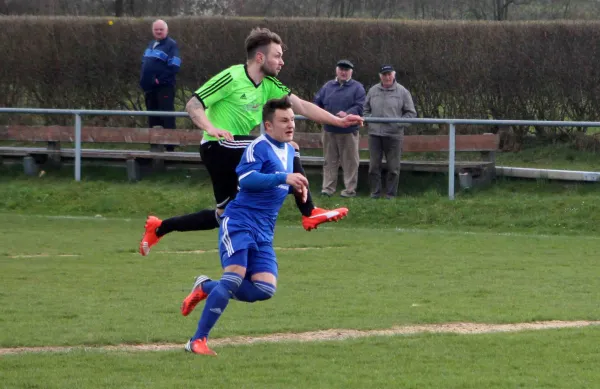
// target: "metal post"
[[77, 147], [451, 155], [262, 128]]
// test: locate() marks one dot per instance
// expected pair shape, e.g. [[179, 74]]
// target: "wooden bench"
[[157, 138], [53, 136], [476, 172]]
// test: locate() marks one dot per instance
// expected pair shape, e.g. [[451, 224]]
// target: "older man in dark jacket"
[[160, 64], [341, 96]]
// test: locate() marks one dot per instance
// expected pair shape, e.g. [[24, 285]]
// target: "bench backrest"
[[101, 135], [416, 143], [159, 136]]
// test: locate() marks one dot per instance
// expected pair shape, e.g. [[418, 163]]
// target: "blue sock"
[[216, 302], [208, 286], [251, 291]]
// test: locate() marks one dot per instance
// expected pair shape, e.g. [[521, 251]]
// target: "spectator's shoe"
[[195, 296], [319, 216], [150, 238], [199, 346]]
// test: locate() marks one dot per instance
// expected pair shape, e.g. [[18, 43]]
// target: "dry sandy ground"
[[332, 334]]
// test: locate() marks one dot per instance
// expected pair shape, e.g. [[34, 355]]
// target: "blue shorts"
[[235, 237]]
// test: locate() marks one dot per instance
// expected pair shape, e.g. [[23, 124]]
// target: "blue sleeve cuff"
[[282, 177]]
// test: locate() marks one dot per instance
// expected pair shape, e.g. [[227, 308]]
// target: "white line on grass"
[[212, 251], [325, 335], [68, 217], [338, 227], [276, 248], [44, 255]]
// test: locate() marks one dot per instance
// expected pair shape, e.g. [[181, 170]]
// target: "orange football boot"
[[150, 238], [199, 346], [320, 215]]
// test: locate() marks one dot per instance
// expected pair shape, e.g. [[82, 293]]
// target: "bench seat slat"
[[193, 157]]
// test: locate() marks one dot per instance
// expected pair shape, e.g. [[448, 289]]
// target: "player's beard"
[[268, 71]]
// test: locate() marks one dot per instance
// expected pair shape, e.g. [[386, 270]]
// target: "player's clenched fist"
[[297, 180], [300, 183]]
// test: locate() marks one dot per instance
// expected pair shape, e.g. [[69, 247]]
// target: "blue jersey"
[[160, 64], [261, 173]]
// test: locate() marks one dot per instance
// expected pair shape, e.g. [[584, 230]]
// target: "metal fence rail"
[[78, 113]]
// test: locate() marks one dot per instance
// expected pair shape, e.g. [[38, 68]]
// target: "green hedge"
[[532, 70]]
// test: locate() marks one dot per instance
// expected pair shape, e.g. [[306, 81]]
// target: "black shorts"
[[221, 159]]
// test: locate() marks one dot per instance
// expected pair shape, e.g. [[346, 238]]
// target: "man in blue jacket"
[[341, 97], [160, 64]]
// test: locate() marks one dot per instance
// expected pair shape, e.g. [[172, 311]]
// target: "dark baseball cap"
[[386, 69], [344, 63]]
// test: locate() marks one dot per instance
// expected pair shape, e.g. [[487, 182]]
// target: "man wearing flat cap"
[[341, 96], [388, 99]]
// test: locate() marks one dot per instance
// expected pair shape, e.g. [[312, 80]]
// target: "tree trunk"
[[131, 7], [118, 8], [501, 9]]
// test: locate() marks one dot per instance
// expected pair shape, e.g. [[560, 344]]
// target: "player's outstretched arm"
[[198, 115], [319, 115]]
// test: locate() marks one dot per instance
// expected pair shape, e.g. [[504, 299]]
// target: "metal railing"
[[78, 113]]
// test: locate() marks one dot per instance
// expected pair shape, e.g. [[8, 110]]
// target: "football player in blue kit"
[[266, 177]]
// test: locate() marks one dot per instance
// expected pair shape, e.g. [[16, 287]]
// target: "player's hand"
[[304, 194], [299, 182], [351, 120], [341, 114], [218, 133]]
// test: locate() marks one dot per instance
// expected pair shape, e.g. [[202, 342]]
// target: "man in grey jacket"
[[387, 99]]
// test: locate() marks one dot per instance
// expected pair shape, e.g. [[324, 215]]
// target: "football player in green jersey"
[[228, 107]]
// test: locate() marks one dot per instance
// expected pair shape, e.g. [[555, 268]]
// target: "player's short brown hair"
[[273, 105], [259, 39]]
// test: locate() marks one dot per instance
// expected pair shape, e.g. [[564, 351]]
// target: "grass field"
[[516, 252], [79, 282], [509, 205], [554, 359]]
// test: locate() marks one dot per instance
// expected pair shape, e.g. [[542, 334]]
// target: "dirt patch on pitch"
[[326, 335]]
